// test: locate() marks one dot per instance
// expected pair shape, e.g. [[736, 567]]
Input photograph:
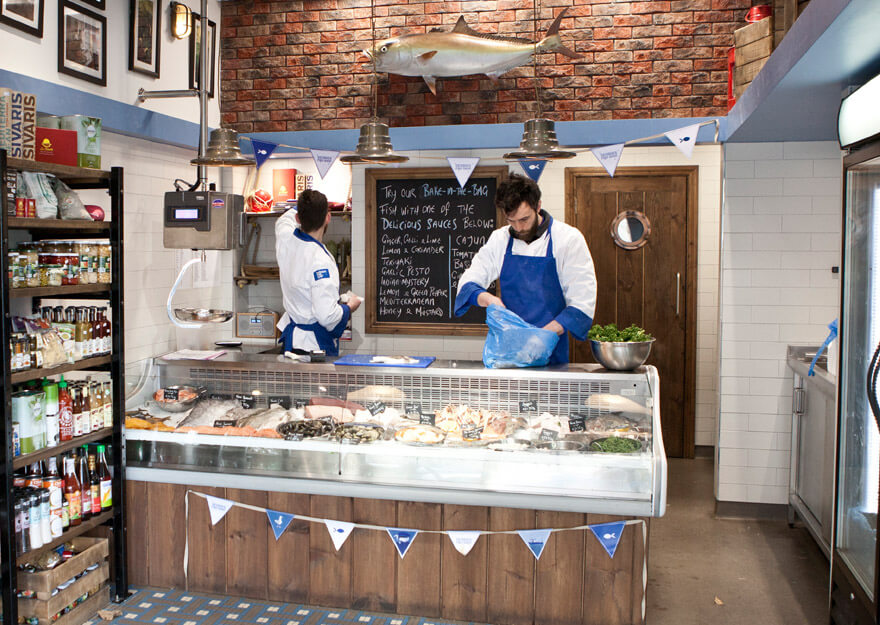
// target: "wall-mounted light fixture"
[[181, 20]]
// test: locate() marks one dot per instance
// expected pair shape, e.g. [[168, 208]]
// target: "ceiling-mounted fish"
[[461, 52]]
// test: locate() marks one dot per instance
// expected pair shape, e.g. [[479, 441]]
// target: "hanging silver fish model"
[[461, 52]]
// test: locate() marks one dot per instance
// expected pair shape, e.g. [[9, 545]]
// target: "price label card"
[[426, 418], [413, 407], [300, 403], [548, 435], [223, 423], [576, 422], [529, 405], [471, 432], [171, 394], [280, 400], [220, 396], [247, 401], [375, 407]]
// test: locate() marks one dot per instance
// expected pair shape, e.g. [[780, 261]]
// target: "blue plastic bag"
[[512, 342]]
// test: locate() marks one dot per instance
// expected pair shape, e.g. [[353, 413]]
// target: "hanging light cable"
[[539, 134], [374, 144]]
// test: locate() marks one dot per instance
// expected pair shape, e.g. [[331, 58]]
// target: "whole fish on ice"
[[461, 52]]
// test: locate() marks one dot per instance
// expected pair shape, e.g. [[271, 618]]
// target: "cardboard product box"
[[56, 146], [303, 182], [88, 139], [283, 184], [5, 119]]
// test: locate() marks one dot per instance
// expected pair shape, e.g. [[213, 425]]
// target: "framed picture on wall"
[[98, 4], [82, 43], [195, 39], [25, 15], [145, 20]]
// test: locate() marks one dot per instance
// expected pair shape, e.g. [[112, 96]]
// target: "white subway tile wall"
[[780, 239]]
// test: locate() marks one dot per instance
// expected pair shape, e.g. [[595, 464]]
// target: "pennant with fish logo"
[[324, 160], [609, 535], [262, 151], [609, 156], [279, 521], [339, 531], [535, 540], [684, 138], [463, 167], [218, 508], [533, 169], [463, 541], [403, 539]]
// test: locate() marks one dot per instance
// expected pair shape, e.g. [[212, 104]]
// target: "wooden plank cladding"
[[754, 45], [498, 582]]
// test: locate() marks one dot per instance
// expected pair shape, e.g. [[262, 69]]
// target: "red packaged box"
[[21, 207], [31, 208], [56, 146], [283, 184]]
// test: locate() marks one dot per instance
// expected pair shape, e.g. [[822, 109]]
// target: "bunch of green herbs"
[[610, 334]]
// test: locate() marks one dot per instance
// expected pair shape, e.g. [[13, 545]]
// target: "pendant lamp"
[[374, 143], [223, 150]]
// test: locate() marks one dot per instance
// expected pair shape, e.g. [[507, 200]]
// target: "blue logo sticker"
[[322, 273], [218, 203]]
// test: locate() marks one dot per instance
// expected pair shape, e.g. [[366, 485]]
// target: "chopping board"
[[363, 360]]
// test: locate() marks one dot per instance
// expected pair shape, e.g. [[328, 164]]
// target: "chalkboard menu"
[[423, 228]]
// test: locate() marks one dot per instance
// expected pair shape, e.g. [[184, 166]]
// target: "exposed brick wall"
[[298, 65]]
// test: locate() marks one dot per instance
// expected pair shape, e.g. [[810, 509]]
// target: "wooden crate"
[[90, 551], [45, 606], [754, 45], [85, 610]]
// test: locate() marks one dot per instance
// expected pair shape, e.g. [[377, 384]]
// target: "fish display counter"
[[453, 446]]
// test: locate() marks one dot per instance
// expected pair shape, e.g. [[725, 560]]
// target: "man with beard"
[[544, 268]]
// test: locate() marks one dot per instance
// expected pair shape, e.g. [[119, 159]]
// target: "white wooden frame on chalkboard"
[[373, 325]]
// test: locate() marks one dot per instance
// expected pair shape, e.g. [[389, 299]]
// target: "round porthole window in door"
[[631, 229]]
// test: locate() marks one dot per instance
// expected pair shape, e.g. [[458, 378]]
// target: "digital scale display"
[[186, 214]]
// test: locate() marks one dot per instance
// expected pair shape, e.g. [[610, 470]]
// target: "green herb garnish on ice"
[[610, 334], [616, 445]]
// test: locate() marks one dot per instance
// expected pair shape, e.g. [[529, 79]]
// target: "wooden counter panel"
[[418, 575], [246, 547], [207, 544], [559, 580], [166, 534], [374, 565], [605, 577], [329, 570], [463, 578], [288, 558], [138, 547], [511, 569]]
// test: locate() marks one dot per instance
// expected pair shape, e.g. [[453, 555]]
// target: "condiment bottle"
[[97, 406], [45, 517], [106, 480], [34, 476], [55, 485], [86, 409], [65, 412], [50, 388], [72, 493], [108, 332], [77, 412], [94, 485], [92, 340], [82, 473], [108, 405]]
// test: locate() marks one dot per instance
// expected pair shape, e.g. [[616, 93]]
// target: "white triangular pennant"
[[463, 167], [533, 168], [463, 541], [324, 160], [218, 508], [535, 540], [608, 535], [609, 156], [279, 521], [684, 138], [339, 531], [402, 539]]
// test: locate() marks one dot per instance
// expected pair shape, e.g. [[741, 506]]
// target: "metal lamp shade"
[[223, 150], [539, 142], [374, 146]]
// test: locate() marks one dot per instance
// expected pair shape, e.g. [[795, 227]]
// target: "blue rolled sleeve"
[[467, 297], [339, 328], [575, 322]]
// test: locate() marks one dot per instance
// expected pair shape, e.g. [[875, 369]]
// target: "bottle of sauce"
[[82, 473], [108, 405], [97, 406], [94, 485], [55, 485], [88, 312], [86, 410], [65, 412], [105, 479], [72, 493], [79, 336], [108, 332], [50, 388], [77, 412], [34, 476]]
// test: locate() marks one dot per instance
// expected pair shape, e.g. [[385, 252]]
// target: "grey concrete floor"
[[764, 572]]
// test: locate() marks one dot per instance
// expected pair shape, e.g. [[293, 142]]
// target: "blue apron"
[[530, 288], [325, 341]]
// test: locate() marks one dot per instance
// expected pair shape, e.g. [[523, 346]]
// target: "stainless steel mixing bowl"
[[621, 356]]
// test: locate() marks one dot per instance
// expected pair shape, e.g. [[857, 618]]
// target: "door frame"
[[691, 173]]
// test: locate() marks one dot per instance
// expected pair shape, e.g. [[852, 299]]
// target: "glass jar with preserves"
[[29, 250], [54, 275], [32, 276], [70, 263], [87, 272], [104, 262]]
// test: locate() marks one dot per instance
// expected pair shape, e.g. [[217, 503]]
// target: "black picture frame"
[[194, 39], [79, 31], [17, 17], [98, 4], [144, 36]]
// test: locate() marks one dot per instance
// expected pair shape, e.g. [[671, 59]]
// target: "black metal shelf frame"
[[77, 179]]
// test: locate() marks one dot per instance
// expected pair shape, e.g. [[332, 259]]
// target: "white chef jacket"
[[309, 283], [577, 275]]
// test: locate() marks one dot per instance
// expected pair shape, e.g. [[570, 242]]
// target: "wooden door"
[[653, 286]]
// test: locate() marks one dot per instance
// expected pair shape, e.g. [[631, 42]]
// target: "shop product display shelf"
[[59, 291], [78, 441], [79, 225], [71, 532], [35, 374], [76, 175]]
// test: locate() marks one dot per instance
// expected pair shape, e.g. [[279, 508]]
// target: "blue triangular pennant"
[[262, 151], [609, 535], [535, 540], [533, 169], [402, 538], [279, 521]]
